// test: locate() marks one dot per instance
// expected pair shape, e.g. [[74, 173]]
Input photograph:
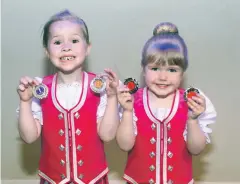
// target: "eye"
[[155, 69], [172, 70], [57, 42], [75, 41]]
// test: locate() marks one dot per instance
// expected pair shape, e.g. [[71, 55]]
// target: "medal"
[[98, 85], [132, 85], [190, 92], [40, 91]]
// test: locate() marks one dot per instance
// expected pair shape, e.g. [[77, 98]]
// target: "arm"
[[196, 139], [127, 130], [29, 111], [108, 124], [126, 134], [28, 127], [197, 129]]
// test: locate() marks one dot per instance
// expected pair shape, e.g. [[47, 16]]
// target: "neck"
[[161, 101], [68, 78]]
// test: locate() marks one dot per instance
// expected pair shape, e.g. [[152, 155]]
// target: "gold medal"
[[98, 85], [40, 91]]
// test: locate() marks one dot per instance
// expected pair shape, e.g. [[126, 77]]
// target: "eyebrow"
[[61, 35]]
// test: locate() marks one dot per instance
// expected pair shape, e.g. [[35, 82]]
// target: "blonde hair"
[[61, 16], [166, 58]]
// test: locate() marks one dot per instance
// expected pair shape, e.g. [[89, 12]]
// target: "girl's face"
[[163, 80], [67, 48]]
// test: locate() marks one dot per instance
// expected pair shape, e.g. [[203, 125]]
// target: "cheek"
[[177, 80], [149, 77], [53, 51], [80, 48]]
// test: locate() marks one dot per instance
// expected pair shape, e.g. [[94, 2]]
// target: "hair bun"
[[165, 28]]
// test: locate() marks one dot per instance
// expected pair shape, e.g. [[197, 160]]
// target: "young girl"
[[168, 129], [71, 118]]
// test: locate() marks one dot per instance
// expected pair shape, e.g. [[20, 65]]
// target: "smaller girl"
[[170, 123]]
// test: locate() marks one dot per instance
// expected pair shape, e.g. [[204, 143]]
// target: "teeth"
[[67, 58]]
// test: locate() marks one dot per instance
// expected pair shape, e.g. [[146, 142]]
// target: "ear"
[[46, 52], [143, 70], [89, 47]]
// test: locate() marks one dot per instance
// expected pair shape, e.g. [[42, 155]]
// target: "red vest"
[[71, 148], [160, 155]]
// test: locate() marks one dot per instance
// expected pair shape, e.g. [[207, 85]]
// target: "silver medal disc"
[[40, 91]]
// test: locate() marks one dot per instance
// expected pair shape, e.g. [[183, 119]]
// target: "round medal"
[[190, 92], [132, 85], [40, 91], [98, 85]]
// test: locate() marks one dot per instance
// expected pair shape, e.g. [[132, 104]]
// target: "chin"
[[162, 93], [67, 70]]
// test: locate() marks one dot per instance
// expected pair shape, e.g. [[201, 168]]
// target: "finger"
[[112, 74], [128, 99], [198, 101], [26, 81], [21, 88], [35, 82], [192, 103], [191, 106], [124, 91], [202, 98], [23, 81]]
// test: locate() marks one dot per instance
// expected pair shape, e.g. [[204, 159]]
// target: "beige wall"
[[118, 30]]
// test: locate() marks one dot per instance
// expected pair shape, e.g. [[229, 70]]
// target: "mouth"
[[162, 86], [67, 58]]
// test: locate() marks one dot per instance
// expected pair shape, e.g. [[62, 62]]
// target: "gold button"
[[152, 140], [169, 140], [152, 168], [78, 132], [152, 154], [60, 116], [62, 162], [61, 132], [151, 181], [79, 147], [170, 168], [169, 126], [153, 126], [80, 163], [170, 154], [81, 176], [61, 147], [77, 115]]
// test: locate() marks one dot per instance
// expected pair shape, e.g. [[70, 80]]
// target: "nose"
[[66, 48], [163, 75]]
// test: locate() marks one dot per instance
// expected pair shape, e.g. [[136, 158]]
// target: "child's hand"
[[197, 105], [25, 88], [125, 98], [112, 83]]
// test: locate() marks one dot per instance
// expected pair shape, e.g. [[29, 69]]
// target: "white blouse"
[[69, 94]]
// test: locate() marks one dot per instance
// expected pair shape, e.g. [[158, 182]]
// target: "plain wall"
[[118, 31]]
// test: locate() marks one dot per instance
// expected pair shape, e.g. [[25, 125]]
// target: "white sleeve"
[[36, 107], [205, 119], [102, 106], [134, 119]]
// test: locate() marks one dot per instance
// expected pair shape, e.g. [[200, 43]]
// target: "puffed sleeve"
[[102, 106], [36, 107], [206, 118]]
